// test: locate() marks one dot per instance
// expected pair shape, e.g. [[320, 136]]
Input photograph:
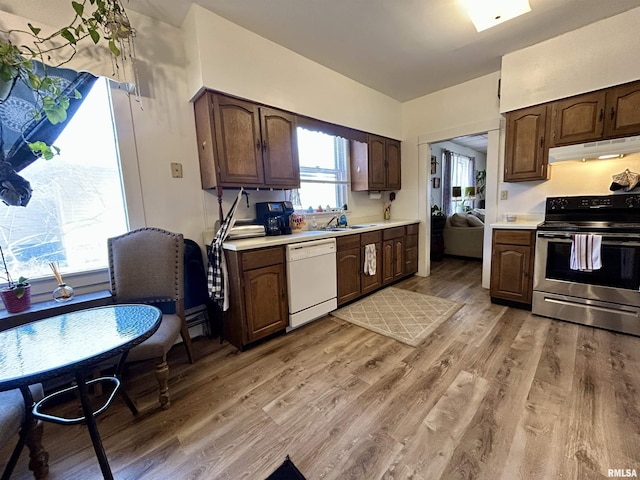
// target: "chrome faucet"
[[328, 225]]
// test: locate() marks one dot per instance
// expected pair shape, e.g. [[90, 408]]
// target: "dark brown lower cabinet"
[[512, 266], [348, 266], [370, 283], [393, 254], [258, 304], [411, 249]]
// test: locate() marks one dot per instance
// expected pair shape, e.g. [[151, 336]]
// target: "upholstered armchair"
[[147, 266], [12, 415]]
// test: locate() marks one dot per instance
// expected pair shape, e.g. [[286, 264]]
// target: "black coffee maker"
[[275, 217]]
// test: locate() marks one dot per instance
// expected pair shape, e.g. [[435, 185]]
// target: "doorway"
[[490, 128], [457, 178]]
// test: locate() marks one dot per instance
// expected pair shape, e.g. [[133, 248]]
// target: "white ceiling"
[[402, 48], [474, 142]]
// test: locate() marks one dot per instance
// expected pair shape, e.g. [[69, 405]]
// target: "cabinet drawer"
[[371, 237], [513, 237], [391, 233], [412, 229], [348, 241], [411, 241], [262, 257]]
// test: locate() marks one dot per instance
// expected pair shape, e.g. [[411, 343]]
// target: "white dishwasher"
[[311, 280]]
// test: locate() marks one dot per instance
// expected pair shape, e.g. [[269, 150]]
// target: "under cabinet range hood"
[[604, 149]]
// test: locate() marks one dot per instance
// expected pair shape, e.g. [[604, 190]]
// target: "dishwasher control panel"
[[314, 248]]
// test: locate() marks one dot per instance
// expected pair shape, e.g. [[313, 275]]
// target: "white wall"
[[228, 58], [164, 131], [596, 56], [566, 178], [236, 61], [468, 108]]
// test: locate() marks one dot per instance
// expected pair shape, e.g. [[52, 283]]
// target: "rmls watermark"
[[622, 473]]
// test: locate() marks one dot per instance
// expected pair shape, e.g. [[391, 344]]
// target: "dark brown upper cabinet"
[[375, 165], [601, 115], [577, 119], [525, 150], [622, 115], [241, 143]]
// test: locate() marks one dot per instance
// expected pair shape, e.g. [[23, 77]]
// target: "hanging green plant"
[[97, 20]]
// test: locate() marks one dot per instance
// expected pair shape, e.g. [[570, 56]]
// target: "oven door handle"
[[608, 240], [565, 236]]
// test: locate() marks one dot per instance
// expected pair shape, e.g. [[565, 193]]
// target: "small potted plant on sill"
[[16, 296]]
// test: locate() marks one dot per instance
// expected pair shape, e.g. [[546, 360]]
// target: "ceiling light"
[[489, 13]]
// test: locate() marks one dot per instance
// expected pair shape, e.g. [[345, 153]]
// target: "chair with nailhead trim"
[[12, 417], [147, 266]]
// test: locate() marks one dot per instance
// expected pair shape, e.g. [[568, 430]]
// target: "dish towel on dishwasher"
[[585, 252], [370, 259]]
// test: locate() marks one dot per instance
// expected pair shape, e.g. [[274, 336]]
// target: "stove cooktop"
[[593, 213], [610, 227]]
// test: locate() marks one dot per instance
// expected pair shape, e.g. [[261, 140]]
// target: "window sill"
[[51, 308]]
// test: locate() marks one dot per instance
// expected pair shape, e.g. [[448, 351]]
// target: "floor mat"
[[403, 315]]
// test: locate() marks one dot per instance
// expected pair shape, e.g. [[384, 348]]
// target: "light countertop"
[[307, 235], [517, 225]]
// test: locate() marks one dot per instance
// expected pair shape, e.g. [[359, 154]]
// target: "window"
[[77, 202], [462, 176], [323, 170]]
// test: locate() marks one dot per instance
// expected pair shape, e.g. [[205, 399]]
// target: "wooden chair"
[[11, 419], [147, 266]]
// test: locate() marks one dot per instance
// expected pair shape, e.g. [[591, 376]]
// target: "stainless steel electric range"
[[608, 297]]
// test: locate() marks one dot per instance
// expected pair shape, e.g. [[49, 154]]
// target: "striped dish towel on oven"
[[585, 252]]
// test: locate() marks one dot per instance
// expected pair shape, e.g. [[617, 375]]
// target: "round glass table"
[[72, 343]]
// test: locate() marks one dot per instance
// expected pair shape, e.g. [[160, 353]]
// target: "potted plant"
[[96, 19], [16, 296], [481, 183]]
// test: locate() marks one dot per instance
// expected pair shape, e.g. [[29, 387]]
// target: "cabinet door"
[[279, 148], [525, 151], [398, 258], [622, 114], [238, 142], [203, 110], [387, 261], [512, 265], [393, 164], [348, 271], [411, 254], [377, 160], [577, 119], [369, 283], [265, 301]]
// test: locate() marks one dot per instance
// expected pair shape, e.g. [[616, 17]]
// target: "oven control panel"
[[568, 204]]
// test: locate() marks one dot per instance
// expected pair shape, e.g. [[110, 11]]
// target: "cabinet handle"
[[264, 146], [601, 114], [258, 147], [204, 145], [542, 141], [613, 113]]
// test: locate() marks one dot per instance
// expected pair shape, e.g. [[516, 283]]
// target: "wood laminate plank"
[[492, 393], [429, 451]]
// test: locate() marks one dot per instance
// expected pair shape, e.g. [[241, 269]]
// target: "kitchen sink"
[[350, 227]]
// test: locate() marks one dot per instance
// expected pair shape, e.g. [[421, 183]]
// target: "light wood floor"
[[494, 393]]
